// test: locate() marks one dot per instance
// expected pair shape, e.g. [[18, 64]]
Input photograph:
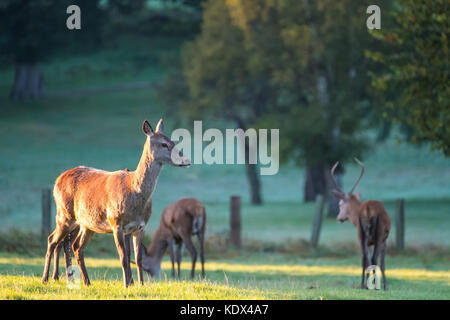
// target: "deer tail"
[[199, 219]]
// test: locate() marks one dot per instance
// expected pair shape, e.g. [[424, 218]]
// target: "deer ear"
[[147, 128], [160, 126], [358, 195], [338, 194]]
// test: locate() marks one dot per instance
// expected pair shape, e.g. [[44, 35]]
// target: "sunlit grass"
[[267, 269], [233, 279], [22, 287]]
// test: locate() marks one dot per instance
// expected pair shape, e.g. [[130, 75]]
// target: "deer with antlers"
[[179, 221], [89, 200], [370, 219]]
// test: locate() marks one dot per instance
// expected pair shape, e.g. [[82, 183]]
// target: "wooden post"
[[400, 224], [235, 221], [317, 222], [46, 212]]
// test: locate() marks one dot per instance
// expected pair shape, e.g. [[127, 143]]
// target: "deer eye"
[[164, 145]]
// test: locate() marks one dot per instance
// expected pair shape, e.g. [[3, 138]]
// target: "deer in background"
[[370, 219], [179, 221], [118, 202]]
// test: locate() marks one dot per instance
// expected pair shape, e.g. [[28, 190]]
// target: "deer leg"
[[365, 263], [78, 246], [376, 253], [201, 240], [68, 242], [137, 238], [374, 235], [53, 239], [55, 275], [120, 244], [382, 267], [179, 254], [172, 256], [190, 246], [127, 244], [363, 234]]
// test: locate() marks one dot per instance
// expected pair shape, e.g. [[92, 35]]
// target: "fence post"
[[46, 212], [235, 221], [400, 224], [317, 222]]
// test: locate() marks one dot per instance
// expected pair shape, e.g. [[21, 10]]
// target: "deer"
[[370, 219], [179, 221], [90, 200]]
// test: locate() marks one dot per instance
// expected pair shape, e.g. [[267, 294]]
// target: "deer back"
[[184, 216]]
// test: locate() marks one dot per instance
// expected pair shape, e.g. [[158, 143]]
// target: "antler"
[[338, 190], [362, 173]]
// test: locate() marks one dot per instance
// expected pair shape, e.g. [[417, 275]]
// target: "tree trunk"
[[253, 176], [251, 170], [318, 181], [28, 83], [315, 182], [253, 180]]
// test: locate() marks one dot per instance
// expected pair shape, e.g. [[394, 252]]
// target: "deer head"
[[152, 257], [161, 148], [348, 201]]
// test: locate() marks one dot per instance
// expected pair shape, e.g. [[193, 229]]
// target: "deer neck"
[[146, 174], [158, 246], [355, 212]]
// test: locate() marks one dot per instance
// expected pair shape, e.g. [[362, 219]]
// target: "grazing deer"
[[179, 221], [371, 220], [118, 202]]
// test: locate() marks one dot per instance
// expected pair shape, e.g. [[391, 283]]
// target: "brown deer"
[[179, 221], [371, 220], [118, 202]]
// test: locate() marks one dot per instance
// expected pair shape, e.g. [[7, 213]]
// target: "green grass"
[[41, 139], [246, 276]]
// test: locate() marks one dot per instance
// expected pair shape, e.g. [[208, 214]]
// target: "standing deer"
[[371, 220], [118, 202], [179, 221]]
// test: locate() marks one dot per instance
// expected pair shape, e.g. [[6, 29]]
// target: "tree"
[[33, 31], [295, 65], [225, 74], [330, 102], [413, 74]]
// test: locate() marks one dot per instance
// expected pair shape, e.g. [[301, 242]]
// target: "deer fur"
[[179, 221], [370, 219], [118, 202]]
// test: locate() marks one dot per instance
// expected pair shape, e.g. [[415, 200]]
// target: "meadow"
[[102, 129]]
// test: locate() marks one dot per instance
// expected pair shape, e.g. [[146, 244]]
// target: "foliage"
[[329, 104], [259, 63], [413, 77], [35, 30]]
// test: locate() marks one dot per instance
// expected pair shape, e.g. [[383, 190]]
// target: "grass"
[[246, 276], [261, 270], [41, 139]]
